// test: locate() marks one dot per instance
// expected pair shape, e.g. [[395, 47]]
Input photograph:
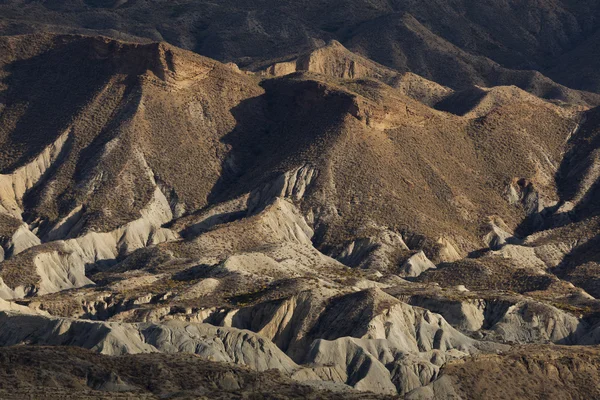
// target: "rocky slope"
[[70, 372], [458, 43], [317, 224]]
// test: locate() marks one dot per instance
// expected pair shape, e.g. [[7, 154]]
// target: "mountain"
[[389, 199], [457, 44]]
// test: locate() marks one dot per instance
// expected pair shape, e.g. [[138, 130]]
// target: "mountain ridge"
[[377, 203]]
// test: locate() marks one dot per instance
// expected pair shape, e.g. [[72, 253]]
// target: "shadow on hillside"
[[461, 102], [589, 252], [288, 126], [43, 94], [571, 173], [577, 163], [582, 144]]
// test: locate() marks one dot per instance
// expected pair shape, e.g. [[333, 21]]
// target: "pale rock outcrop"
[[530, 254], [379, 251], [373, 314], [447, 251], [221, 344], [464, 314], [523, 257], [10, 306], [67, 227], [287, 223], [201, 316], [8, 293], [417, 330], [147, 229], [285, 322], [552, 254], [13, 186], [105, 338], [279, 222], [374, 365], [346, 361], [201, 289], [291, 185], [524, 193], [497, 236], [61, 269], [21, 240], [62, 265], [363, 284], [524, 321], [549, 248], [283, 261], [61, 272], [534, 322], [207, 341], [368, 340], [411, 371], [416, 265], [254, 264]]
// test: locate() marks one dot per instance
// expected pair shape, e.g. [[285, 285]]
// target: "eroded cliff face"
[[364, 232]]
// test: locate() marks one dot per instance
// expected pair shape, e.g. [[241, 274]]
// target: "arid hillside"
[[390, 199], [457, 43]]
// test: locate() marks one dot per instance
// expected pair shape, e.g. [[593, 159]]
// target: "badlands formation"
[[303, 225]]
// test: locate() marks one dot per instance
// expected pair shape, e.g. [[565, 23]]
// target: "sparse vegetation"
[[268, 216]]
